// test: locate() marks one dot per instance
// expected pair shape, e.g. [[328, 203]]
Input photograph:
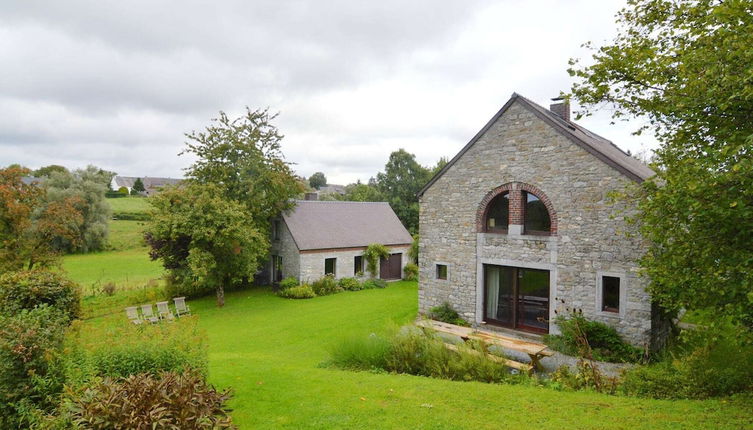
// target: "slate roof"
[[600, 147], [127, 181], [317, 224]]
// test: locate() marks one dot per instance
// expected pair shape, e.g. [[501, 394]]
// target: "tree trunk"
[[220, 295]]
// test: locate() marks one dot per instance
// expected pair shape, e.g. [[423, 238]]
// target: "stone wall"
[[589, 242], [312, 263], [286, 248]]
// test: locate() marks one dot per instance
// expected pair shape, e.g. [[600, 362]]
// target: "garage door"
[[390, 267]]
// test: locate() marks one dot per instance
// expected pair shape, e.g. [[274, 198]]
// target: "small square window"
[[330, 265], [358, 264], [610, 294], [441, 271]]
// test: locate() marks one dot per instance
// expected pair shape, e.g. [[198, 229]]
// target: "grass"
[[129, 204], [270, 350], [125, 268], [126, 235]]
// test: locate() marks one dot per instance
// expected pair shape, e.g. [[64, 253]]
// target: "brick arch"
[[516, 211]]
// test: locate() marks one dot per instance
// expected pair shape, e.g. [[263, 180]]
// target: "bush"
[[176, 347], [145, 401], [288, 283], [604, 341], [115, 194], [32, 370], [300, 292], [372, 254], [413, 352], [132, 216], [374, 283], [325, 285], [179, 283], [410, 272], [446, 313], [349, 284], [109, 289], [31, 288]]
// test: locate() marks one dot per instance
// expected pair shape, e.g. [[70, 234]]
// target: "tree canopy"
[[402, 179], [686, 66], [138, 187], [317, 180]]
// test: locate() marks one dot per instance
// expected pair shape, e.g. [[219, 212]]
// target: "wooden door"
[[390, 267]]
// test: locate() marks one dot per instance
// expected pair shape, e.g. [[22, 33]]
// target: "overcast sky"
[[117, 83]]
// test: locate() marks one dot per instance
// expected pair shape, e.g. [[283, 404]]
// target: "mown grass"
[[125, 268], [270, 350], [129, 204]]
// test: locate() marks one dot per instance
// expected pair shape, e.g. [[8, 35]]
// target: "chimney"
[[311, 196], [561, 109]]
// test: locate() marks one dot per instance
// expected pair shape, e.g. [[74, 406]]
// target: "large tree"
[[687, 67], [203, 238], [30, 225], [400, 182], [317, 180], [242, 157]]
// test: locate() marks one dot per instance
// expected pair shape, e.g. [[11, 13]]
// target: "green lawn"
[[125, 268], [126, 235], [270, 350], [129, 204]]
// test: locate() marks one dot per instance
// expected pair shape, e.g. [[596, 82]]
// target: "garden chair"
[[147, 311], [133, 315], [181, 308], [164, 311]]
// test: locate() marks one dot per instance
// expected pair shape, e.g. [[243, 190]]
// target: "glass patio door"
[[516, 297]]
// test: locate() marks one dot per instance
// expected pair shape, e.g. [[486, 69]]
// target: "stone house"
[[519, 226], [329, 237], [152, 186]]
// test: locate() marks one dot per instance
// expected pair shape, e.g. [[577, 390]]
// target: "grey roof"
[[317, 224], [600, 147], [332, 188], [127, 181]]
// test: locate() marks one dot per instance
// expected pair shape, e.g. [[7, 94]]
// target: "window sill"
[[611, 315]]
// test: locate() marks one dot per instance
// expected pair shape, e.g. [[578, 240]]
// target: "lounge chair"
[[147, 311], [133, 315], [181, 308], [164, 311]]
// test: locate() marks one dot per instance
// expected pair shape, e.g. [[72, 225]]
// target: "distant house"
[[323, 237], [519, 226], [151, 185], [332, 189]]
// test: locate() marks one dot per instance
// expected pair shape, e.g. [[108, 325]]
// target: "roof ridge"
[[338, 201]]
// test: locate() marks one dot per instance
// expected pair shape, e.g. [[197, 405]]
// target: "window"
[[498, 214], [536, 215], [330, 265], [276, 230], [276, 268], [610, 294], [441, 271], [358, 264]]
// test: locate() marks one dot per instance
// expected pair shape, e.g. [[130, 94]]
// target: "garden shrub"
[[372, 254], [410, 272], [145, 401], [31, 288], [604, 341], [109, 289], [32, 368], [446, 313], [587, 376], [413, 352], [325, 285], [374, 283], [132, 216], [300, 292], [178, 346], [349, 284], [288, 283]]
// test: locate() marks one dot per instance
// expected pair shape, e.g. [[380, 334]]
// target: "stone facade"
[[286, 248], [588, 241]]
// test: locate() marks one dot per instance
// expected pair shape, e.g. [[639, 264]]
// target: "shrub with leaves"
[[374, 283], [446, 313], [349, 284], [325, 285], [31, 288], [300, 292], [288, 283], [603, 341], [31, 364], [145, 401], [410, 272], [372, 255]]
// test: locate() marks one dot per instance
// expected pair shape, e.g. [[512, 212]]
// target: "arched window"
[[535, 215], [498, 214]]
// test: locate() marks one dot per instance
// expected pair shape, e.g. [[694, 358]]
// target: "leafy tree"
[[359, 192], [685, 65], [242, 157], [443, 161], [138, 187], [402, 179], [48, 170], [317, 180], [29, 225], [87, 188], [203, 238], [28, 289]]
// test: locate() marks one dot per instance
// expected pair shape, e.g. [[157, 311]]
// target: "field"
[[129, 204], [271, 352]]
